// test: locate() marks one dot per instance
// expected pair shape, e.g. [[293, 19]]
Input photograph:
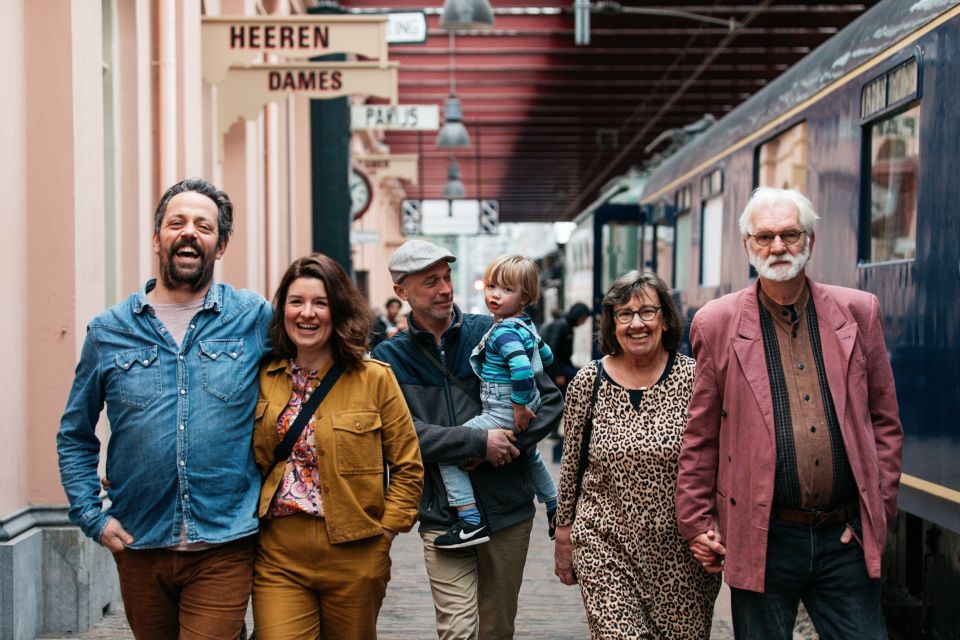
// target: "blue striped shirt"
[[507, 357]]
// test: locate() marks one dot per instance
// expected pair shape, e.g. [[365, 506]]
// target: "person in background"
[[559, 335], [616, 527], [791, 456], [474, 591], [387, 325], [176, 365], [506, 360], [353, 479]]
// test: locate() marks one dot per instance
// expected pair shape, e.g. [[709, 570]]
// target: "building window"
[[782, 161], [890, 219], [711, 240]]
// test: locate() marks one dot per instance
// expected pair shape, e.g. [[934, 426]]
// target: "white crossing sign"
[[459, 216], [489, 216], [410, 220]]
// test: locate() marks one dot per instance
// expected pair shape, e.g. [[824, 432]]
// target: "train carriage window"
[[681, 274], [665, 251], [682, 239], [889, 223], [782, 161], [711, 239]]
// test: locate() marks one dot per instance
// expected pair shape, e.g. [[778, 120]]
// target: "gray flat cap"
[[414, 256]]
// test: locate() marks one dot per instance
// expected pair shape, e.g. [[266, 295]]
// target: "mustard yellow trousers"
[[305, 587]]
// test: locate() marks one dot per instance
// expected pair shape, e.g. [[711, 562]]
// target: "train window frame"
[[777, 134], [880, 84], [865, 258], [683, 210], [902, 102]]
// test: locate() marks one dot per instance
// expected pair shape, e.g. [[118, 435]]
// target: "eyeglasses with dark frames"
[[625, 316], [766, 238]]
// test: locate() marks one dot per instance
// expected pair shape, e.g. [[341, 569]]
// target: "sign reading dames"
[[230, 41], [246, 89]]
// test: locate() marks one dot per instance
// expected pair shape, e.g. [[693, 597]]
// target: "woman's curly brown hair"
[[349, 314]]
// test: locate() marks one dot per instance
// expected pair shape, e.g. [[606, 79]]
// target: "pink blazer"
[[729, 449]]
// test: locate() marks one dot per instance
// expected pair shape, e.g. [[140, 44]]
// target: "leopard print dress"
[[637, 575]]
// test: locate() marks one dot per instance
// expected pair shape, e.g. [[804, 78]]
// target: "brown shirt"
[[811, 435]]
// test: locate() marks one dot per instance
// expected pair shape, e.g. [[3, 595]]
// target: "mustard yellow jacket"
[[361, 427]]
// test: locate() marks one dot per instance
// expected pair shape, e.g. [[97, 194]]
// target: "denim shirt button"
[[182, 427], [183, 392], [183, 463]]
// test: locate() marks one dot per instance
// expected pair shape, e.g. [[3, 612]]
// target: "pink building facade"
[[104, 106]]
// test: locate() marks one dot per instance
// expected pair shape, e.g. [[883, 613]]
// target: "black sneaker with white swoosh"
[[463, 534]]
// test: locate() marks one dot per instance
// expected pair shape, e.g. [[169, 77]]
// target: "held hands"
[[500, 449], [522, 415], [708, 551], [114, 537], [563, 556]]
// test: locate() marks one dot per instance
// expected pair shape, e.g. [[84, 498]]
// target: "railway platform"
[[548, 610]]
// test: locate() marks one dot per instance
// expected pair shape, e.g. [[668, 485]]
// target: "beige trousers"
[[475, 590]]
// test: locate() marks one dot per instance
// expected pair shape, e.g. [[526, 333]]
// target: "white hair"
[[770, 196]]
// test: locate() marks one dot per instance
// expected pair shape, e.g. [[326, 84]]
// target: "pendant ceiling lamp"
[[453, 135], [466, 15], [454, 187]]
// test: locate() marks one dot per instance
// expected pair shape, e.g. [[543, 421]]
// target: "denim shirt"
[[181, 421]]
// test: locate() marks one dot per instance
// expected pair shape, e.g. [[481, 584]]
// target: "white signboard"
[[450, 217], [408, 27], [411, 117]]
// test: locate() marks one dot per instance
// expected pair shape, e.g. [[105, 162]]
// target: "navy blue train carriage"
[[868, 126]]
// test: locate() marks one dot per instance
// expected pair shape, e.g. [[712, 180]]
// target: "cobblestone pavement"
[[548, 610]]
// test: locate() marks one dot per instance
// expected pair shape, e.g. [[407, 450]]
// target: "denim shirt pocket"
[[139, 376], [221, 367], [358, 441]]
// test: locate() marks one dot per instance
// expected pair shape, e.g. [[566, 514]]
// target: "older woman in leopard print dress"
[[618, 538]]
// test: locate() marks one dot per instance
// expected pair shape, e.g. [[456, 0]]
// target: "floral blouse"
[[299, 492]]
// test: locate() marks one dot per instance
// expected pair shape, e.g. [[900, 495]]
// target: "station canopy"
[[552, 122]]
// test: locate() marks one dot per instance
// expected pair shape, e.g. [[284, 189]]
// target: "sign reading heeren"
[[246, 89], [230, 41]]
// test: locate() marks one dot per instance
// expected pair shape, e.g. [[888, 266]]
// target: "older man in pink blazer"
[[791, 456]]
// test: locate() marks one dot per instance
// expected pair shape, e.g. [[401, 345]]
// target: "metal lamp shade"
[[454, 187], [466, 15], [453, 135]]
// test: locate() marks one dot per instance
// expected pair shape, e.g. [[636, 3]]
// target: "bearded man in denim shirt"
[[176, 366]]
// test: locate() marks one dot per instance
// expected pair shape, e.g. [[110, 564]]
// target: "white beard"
[[781, 274]]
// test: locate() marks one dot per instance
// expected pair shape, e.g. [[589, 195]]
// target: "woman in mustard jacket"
[[353, 480]]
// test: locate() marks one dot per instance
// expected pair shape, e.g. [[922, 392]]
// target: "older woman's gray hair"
[[622, 291]]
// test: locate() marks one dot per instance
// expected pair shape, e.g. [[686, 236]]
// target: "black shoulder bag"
[[587, 434], [307, 409]]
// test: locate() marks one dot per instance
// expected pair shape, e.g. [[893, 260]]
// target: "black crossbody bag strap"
[[283, 450], [587, 434], [432, 357]]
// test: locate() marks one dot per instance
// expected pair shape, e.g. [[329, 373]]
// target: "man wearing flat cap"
[[475, 590]]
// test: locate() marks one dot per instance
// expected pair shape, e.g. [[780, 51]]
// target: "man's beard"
[[196, 279], [779, 274]]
